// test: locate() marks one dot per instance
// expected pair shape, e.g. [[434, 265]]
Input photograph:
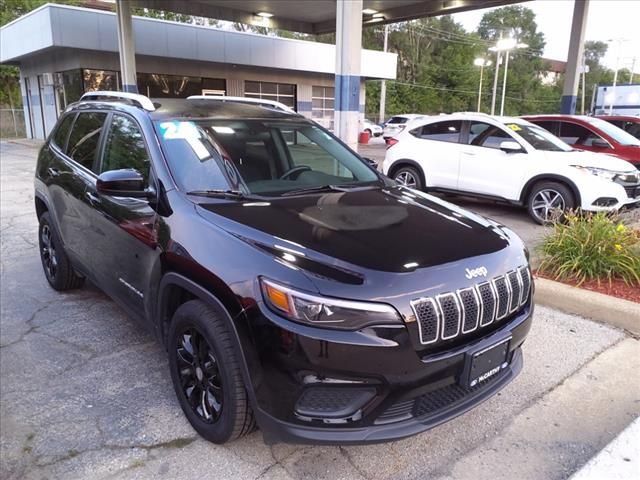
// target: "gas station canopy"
[[314, 16]]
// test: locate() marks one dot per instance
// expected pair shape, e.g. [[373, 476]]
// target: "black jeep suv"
[[292, 285]]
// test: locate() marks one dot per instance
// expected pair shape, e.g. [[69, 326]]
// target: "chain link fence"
[[12, 123]]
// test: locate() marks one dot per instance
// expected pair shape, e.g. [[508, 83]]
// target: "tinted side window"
[[549, 126], [442, 131], [62, 132], [83, 141], [124, 147], [485, 135], [575, 134], [397, 120]]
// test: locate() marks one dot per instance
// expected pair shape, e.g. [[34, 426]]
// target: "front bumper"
[[601, 195], [408, 391]]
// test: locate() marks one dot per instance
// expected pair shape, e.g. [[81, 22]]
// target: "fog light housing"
[[605, 202], [335, 404]]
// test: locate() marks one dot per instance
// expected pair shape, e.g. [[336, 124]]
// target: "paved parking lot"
[[86, 393]]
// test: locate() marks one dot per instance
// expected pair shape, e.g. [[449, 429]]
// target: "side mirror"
[[600, 143], [123, 183], [509, 146]]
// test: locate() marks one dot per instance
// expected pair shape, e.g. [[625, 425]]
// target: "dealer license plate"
[[488, 362]]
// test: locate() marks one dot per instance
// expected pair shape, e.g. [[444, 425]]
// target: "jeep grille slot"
[[452, 314], [427, 314], [502, 289]]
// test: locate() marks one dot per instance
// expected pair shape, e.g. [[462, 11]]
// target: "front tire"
[[206, 374], [409, 177], [549, 201], [57, 268]]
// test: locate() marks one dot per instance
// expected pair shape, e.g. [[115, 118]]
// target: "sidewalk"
[[620, 460]]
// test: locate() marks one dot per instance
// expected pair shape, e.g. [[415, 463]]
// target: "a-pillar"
[[126, 47], [348, 55], [574, 59]]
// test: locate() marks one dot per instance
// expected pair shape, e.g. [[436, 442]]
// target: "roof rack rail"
[[253, 101], [135, 98]]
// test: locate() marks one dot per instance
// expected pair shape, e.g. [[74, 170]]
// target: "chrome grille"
[[470, 309], [428, 319], [502, 291], [451, 314], [487, 302]]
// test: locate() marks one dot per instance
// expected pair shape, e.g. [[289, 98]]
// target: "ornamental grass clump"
[[592, 247]]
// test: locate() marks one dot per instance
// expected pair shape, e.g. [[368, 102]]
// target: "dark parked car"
[[627, 123], [292, 285], [591, 133]]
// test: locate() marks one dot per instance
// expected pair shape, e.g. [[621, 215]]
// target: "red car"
[[591, 133], [626, 122]]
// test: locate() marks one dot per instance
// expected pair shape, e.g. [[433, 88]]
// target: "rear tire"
[[409, 177], [57, 268], [206, 374], [549, 201]]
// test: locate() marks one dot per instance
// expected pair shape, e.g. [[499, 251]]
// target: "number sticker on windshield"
[[514, 127]]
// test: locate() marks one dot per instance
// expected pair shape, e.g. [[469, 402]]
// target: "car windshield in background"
[[539, 138], [619, 135], [264, 157]]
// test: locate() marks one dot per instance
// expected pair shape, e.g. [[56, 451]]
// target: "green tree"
[[525, 91]]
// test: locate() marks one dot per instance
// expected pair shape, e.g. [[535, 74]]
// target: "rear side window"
[[62, 133], [575, 134], [397, 120], [124, 147], [441, 131], [84, 138], [549, 126]]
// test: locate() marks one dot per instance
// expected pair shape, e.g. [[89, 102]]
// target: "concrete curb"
[[596, 306]]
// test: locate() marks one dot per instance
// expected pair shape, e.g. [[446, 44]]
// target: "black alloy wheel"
[[55, 263], [48, 252], [199, 375], [206, 371]]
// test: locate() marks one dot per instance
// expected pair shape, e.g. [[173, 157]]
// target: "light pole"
[[481, 62], [383, 84], [505, 45], [495, 83], [619, 42]]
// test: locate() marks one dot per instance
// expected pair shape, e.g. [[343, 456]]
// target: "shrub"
[[592, 247]]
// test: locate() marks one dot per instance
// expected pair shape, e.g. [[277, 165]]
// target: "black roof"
[[201, 108]]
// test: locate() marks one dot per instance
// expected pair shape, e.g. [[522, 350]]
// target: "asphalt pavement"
[[85, 392]]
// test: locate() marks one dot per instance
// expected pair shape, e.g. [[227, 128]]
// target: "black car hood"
[[390, 229]]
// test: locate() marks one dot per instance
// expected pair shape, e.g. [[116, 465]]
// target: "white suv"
[[509, 159], [398, 123]]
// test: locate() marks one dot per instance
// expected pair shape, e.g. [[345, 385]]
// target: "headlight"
[[598, 172], [325, 312]]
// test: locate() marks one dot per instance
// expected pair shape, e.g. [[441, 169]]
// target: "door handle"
[[54, 172], [471, 154], [92, 198]]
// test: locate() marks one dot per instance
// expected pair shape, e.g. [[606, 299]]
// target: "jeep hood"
[[386, 229]]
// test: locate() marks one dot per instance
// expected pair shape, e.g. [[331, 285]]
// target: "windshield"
[[619, 135], [539, 138], [265, 157]]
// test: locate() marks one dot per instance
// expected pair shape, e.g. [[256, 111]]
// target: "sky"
[[607, 19]]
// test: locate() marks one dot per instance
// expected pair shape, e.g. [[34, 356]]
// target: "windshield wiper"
[[237, 194], [328, 188]]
